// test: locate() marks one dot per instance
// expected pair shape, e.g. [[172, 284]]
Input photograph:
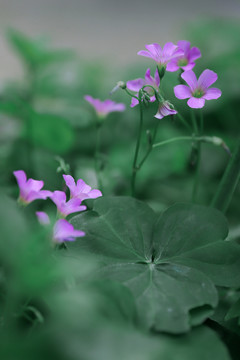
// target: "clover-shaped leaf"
[[171, 265]]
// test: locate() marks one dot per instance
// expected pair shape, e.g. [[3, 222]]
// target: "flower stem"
[[228, 183], [185, 123], [197, 149], [151, 145], [186, 138], [134, 166], [97, 154]]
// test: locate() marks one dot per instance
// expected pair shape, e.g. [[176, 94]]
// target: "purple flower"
[[103, 108], [185, 61], [66, 207], [80, 190], [30, 189], [43, 218], [137, 84], [197, 90], [64, 231], [161, 56], [165, 109]]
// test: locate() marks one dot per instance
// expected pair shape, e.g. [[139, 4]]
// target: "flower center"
[[198, 93], [182, 62]]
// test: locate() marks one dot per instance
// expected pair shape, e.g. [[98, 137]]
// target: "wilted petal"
[[212, 93], [182, 92], [164, 110], [190, 78], [206, 79], [196, 103]]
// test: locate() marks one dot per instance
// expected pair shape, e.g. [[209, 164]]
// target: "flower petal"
[[206, 79], [64, 231], [20, 177], [155, 50], [196, 103], [172, 66], [135, 85], [43, 218], [194, 54], [190, 78], [212, 93], [169, 49], [134, 102], [184, 45], [182, 92], [145, 53]]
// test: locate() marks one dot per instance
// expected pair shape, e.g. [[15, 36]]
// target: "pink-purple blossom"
[[186, 60], [197, 91], [165, 109], [64, 231], [80, 190], [161, 56], [103, 108], [30, 189], [137, 84], [66, 207]]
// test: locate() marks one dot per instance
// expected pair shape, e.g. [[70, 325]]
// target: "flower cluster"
[[30, 190], [172, 58]]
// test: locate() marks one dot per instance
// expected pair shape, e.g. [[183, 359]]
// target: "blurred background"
[[53, 52], [105, 29]]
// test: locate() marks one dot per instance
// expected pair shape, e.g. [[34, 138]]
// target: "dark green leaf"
[[172, 289]]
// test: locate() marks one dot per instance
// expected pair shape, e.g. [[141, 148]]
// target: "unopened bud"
[[120, 85]]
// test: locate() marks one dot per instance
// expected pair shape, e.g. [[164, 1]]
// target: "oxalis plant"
[[121, 281]]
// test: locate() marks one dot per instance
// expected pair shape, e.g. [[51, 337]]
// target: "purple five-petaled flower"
[[103, 108], [185, 61], [80, 190], [62, 230], [30, 189], [165, 108], [197, 91], [161, 56], [137, 84], [66, 207]]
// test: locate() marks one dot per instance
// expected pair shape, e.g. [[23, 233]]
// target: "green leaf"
[[50, 131], [234, 312], [35, 52], [153, 258]]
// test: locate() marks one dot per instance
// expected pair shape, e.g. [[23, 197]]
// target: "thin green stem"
[[97, 154], [198, 159], [150, 147], [181, 138], [134, 166], [185, 123], [228, 183]]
